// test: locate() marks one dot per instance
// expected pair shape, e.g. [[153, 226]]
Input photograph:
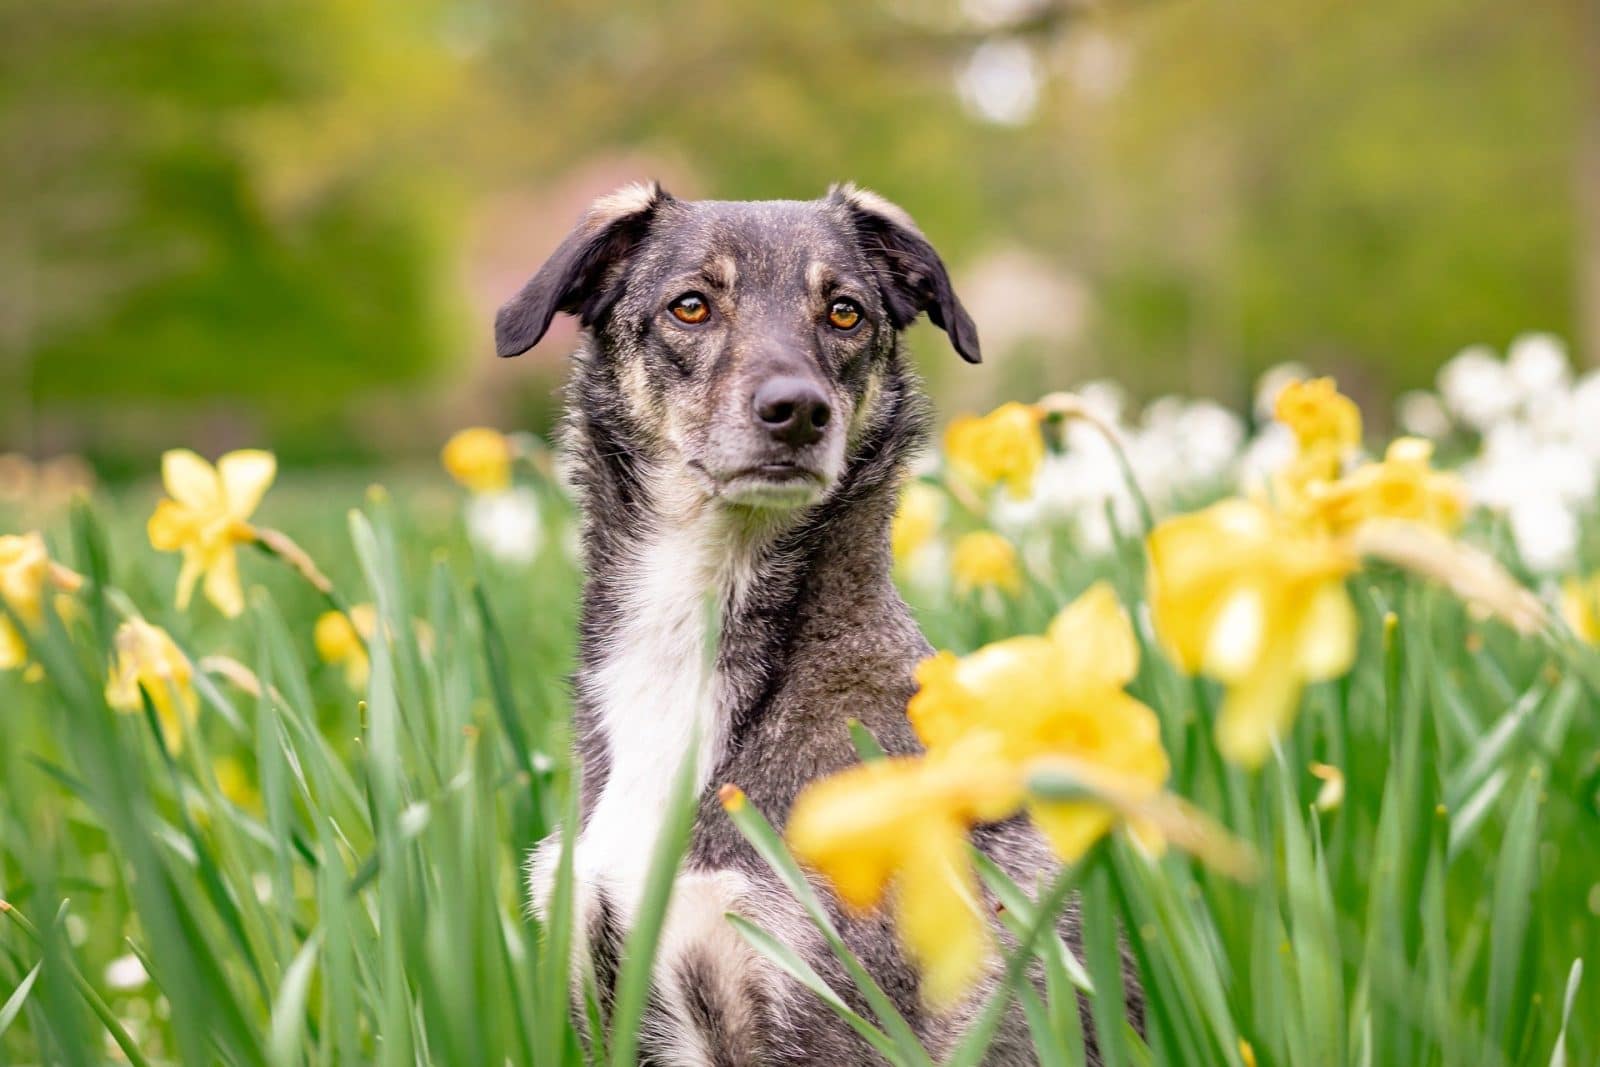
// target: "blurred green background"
[[287, 222]]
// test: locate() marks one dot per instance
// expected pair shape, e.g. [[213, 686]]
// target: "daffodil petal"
[[190, 480], [940, 915], [170, 527], [1096, 639], [1257, 709], [847, 827], [1327, 637], [245, 476], [1237, 634], [1071, 826], [13, 652], [942, 708], [188, 575], [222, 586]]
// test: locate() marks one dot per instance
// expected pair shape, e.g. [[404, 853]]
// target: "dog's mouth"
[[777, 473], [773, 485]]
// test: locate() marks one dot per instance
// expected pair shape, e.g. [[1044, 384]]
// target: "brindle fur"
[[657, 417]]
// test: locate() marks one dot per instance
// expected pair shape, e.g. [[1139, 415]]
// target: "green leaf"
[[288, 1020], [1019, 909], [770, 847], [1558, 1056], [1104, 959], [976, 1043], [1515, 876], [18, 998]]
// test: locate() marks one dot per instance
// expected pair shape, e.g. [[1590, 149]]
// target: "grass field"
[[311, 871]]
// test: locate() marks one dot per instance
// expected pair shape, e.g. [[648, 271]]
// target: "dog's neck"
[[691, 608]]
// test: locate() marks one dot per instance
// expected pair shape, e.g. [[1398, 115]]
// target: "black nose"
[[792, 410]]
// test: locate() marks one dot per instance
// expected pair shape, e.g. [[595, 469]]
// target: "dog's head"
[[749, 340]]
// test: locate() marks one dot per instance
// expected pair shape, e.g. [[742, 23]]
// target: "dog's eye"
[[844, 314], [690, 308]]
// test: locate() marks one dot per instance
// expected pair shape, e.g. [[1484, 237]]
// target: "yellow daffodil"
[[1242, 594], [1327, 428], [1057, 695], [479, 458], [341, 640], [905, 821], [1580, 607], [1004, 446], [24, 568], [985, 719], [922, 510], [985, 560], [207, 517], [1403, 486], [1320, 416], [146, 658]]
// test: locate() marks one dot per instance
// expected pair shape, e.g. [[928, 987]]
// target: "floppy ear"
[[914, 278], [573, 279]]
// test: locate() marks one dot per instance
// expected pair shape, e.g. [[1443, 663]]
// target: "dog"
[[739, 424]]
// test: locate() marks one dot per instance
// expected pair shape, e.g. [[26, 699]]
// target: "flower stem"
[[279, 544], [1070, 406]]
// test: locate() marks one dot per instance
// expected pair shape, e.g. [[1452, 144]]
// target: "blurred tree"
[[153, 265], [259, 208]]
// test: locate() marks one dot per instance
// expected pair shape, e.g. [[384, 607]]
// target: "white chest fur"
[[656, 695]]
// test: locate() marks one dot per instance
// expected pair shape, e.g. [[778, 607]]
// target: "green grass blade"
[[1019, 909], [976, 1043], [288, 1021], [1516, 874], [18, 998], [1558, 1056], [1107, 1006], [770, 847], [794, 965]]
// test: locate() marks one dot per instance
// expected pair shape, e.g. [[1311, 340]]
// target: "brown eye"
[[690, 308], [844, 314]]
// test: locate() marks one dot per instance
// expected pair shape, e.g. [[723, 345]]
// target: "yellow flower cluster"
[[1326, 423], [1403, 486], [1315, 489], [1252, 592], [207, 517], [985, 719], [1002, 447]]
